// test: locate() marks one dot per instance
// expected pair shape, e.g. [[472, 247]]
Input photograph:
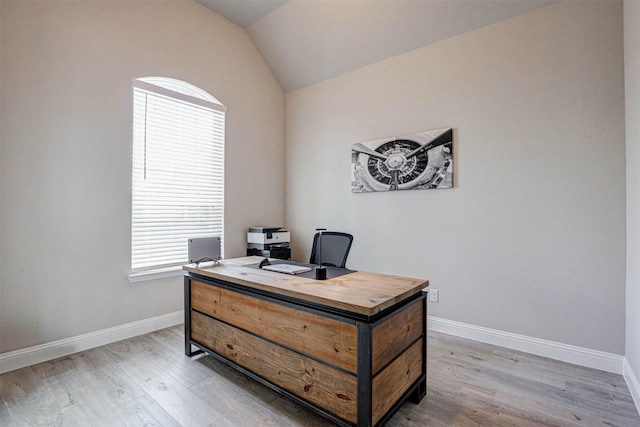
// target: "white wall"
[[632, 90], [67, 69], [532, 238]]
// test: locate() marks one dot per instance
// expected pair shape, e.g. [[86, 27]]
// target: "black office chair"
[[335, 248]]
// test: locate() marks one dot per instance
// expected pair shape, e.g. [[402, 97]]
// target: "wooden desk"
[[352, 348]]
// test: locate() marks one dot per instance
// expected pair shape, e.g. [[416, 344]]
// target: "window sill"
[[160, 273]]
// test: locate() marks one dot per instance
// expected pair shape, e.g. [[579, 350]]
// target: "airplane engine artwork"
[[418, 161]]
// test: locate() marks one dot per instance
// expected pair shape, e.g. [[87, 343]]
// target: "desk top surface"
[[359, 292]]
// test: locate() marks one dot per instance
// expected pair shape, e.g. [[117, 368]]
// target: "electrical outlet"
[[433, 295]]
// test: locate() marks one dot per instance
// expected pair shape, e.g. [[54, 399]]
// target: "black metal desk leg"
[[187, 316], [365, 372], [421, 389]]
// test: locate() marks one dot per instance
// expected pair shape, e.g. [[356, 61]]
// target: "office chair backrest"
[[335, 248]]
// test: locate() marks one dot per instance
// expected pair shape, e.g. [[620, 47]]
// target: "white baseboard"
[[601, 360], [632, 382], [17, 359], [608, 362]]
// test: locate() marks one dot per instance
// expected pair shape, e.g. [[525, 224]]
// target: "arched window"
[[177, 174]]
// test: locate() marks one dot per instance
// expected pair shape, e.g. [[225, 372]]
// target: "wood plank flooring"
[[147, 381]]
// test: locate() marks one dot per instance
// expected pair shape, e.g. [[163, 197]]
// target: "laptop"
[[286, 268]]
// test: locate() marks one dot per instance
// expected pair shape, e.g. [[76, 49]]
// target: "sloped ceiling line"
[[307, 41]]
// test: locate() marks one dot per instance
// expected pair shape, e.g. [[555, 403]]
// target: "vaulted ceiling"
[[307, 41]]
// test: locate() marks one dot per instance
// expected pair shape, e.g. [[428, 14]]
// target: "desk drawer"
[[394, 335], [324, 338], [322, 385], [390, 384]]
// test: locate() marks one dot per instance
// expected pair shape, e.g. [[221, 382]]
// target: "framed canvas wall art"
[[418, 161]]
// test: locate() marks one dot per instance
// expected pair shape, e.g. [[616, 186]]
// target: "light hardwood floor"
[[147, 381]]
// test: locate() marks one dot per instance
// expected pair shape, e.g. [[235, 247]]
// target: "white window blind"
[[178, 173]]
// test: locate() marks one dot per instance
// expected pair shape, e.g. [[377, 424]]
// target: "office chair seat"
[[335, 248]]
